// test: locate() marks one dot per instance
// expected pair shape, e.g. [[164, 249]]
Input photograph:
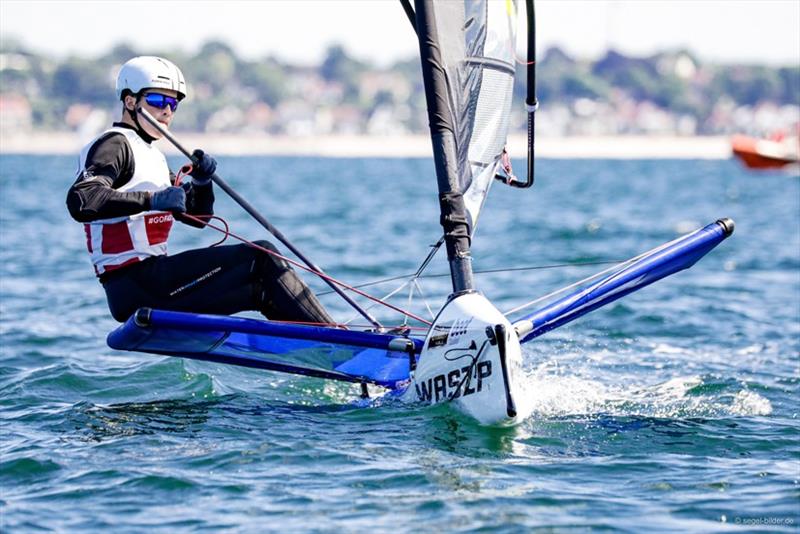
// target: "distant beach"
[[612, 147]]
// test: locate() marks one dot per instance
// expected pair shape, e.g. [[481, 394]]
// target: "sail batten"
[[496, 64]]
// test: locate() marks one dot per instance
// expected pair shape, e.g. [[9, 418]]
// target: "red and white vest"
[[121, 241]]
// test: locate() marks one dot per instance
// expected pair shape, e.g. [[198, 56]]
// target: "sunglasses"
[[160, 101]]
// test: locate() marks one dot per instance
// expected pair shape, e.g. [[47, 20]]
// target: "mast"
[[451, 201]]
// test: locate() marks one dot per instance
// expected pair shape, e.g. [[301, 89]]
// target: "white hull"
[[471, 359]]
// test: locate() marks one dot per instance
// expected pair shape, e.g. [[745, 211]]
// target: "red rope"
[[184, 171], [305, 268], [204, 219]]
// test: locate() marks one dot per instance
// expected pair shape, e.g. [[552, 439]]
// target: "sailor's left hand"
[[203, 167]]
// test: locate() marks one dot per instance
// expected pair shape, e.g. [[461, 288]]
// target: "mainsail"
[[476, 41], [467, 55]]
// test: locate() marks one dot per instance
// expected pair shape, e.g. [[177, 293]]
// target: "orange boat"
[[766, 153]]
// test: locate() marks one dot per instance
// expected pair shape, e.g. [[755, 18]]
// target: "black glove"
[[203, 168], [169, 199]]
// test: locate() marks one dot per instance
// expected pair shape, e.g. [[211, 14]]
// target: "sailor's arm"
[[199, 190], [109, 163], [199, 202]]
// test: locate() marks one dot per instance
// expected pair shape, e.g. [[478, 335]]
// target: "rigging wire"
[[483, 271], [305, 268], [205, 220], [619, 267], [410, 279], [381, 300], [421, 294]]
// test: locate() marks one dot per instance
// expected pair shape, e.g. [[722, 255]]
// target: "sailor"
[[127, 198]]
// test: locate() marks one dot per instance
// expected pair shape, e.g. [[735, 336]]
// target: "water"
[[674, 409]]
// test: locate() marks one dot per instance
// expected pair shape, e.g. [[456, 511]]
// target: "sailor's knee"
[[263, 243], [271, 260], [119, 313]]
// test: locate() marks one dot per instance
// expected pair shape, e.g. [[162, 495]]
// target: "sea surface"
[[672, 410]]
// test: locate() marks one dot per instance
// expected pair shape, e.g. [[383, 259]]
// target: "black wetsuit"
[[219, 280]]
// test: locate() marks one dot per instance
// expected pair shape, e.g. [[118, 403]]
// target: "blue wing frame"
[[660, 263], [322, 352]]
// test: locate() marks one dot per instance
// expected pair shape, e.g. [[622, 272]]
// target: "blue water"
[[674, 409]]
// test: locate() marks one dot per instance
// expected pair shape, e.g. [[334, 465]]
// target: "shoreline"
[[404, 146]]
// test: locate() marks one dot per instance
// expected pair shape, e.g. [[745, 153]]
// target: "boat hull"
[[471, 359], [763, 153]]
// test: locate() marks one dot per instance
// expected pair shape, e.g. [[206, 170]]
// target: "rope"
[[380, 300], [484, 271], [184, 171], [299, 265], [619, 267], [205, 220]]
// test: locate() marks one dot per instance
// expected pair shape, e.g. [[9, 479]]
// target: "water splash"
[[750, 403], [552, 395]]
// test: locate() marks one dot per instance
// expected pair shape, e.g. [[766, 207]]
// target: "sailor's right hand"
[[169, 199]]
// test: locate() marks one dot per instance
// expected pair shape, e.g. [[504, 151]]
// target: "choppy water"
[[675, 409]]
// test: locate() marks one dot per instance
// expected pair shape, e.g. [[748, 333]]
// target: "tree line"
[[676, 81]]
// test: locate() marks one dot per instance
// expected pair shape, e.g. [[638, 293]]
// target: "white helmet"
[[150, 72]]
